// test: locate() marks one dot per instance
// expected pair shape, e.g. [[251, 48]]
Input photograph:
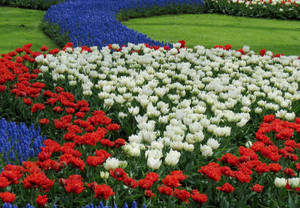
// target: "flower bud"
[[280, 182], [104, 174]]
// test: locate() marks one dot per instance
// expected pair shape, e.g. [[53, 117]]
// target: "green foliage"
[[277, 11], [31, 4], [53, 31], [125, 15]]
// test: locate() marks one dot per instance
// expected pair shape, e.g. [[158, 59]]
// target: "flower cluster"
[[19, 143], [84, 160], [64, 114], [179, 97], [263, 156]]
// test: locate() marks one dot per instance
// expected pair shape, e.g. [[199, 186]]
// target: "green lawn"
[[279, 36], [21, 26]]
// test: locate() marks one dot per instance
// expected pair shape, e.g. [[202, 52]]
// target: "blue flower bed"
[[94, 23], [18, 143], [134, 205]]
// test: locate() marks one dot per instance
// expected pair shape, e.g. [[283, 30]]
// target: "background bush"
[[31, 4]]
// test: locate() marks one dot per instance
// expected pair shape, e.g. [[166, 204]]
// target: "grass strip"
[[22, 26], [279, 36]]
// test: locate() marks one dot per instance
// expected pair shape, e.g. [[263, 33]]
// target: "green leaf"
[[291, 202]]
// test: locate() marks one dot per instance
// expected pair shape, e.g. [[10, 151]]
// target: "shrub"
[[31, 4]]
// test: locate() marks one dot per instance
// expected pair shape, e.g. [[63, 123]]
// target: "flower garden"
[[115, 119]]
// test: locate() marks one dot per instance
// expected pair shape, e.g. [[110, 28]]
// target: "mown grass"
[[22, 26], [279, 36]]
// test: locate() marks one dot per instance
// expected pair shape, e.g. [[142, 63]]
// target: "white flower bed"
[[180, 98]]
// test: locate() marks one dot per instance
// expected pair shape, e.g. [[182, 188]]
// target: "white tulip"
[[111, 163], [294, 182], [154, 153], [290, 116], [206, 150], [280, 182], [104, 174], [172, 158], [108, 102], [214, 144], [153, 163], [248, 144], [188, 147], [39, 59]]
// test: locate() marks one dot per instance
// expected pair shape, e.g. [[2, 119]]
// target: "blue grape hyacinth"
[[134, 205], [94, 23], [18, 142]]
